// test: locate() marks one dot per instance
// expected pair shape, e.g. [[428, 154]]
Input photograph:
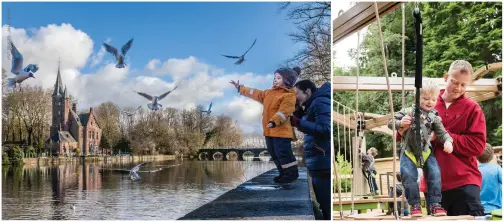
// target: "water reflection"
[[168, 189]]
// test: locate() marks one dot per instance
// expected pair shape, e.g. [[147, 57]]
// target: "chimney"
[[74, 107]]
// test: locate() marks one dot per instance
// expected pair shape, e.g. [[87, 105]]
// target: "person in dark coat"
[[313, 118]]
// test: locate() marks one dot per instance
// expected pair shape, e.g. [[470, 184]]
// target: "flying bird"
[[131, 113], [119, 57], [208, 111], [17, 68], [241, 58], [155, 105], [133, 173]]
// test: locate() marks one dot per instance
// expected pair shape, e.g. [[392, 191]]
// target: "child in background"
[[279, 104], [369, 169], [429, 122], [399, 193], [491, 184]]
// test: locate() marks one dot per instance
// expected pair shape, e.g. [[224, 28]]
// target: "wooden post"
[[361, 187]]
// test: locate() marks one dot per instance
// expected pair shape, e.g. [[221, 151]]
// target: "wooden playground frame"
[[359, 16]]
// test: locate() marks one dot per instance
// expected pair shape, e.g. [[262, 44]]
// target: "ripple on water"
[[105, 192]]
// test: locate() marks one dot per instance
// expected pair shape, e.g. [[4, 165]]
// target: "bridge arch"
[[248, 155], [232, 156], [264, 156], [218, 156], [203, 156]]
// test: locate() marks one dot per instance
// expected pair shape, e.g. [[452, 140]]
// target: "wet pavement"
[[261, 199]]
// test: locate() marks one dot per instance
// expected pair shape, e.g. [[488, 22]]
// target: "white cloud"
[[341, 49], [177, 68], [151, 65], [198, 83], [98, 58], [246, 111]]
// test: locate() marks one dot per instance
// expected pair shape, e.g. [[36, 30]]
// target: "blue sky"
[[173, 30], [188, 37]]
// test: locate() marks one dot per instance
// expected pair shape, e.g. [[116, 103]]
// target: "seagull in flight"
[[155, 105], [133, 173], [119, 57], [17, 68], [241, 58], [208, 111], [129, 114]]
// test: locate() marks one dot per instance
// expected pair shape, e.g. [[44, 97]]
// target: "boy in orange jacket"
[[279, 104]]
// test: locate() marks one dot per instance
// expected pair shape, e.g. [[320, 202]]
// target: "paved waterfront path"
[[260, 199]]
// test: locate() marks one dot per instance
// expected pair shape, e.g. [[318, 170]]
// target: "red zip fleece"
[[465, 122]]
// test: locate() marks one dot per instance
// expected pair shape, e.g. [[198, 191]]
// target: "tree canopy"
[[451, 31]]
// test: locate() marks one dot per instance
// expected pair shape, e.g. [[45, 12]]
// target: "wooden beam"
[[376, 122], [486, 69], [373, 115], [359, 16], [366, 83], [482, 96], [383, 129], [346, 122]]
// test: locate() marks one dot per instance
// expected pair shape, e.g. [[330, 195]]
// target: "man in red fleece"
[[465, 122]]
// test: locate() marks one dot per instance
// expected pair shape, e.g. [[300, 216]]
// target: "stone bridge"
[[232, 153]]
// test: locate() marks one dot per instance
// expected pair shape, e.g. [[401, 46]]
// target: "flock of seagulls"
[[27, 72]]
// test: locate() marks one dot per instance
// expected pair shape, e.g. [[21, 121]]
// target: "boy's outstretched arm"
[[256, 94], [285, 110]]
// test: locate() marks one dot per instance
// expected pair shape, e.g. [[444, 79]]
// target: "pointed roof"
[[65, 94], [84, 118], [58, 86], [59, 136]]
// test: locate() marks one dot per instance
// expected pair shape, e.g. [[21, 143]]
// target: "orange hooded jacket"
[[279, 104]]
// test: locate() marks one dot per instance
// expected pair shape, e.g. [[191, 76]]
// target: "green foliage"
[[104, 142], [40, 147], [452, 30], [124, 145], [344, 168], [5, 159], [30, 151], [16, 155]]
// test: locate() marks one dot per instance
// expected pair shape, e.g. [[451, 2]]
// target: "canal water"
[[97, 191]]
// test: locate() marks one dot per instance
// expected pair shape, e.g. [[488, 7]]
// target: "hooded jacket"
[[316, 126], [279, 104]]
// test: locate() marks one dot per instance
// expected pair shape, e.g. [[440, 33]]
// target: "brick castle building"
[[69, 129]]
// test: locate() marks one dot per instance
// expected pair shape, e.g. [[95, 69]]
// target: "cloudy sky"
[[174, 44], [341, 49]]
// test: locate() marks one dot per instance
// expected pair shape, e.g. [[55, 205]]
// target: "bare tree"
[[314, 31], [108, 117]]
